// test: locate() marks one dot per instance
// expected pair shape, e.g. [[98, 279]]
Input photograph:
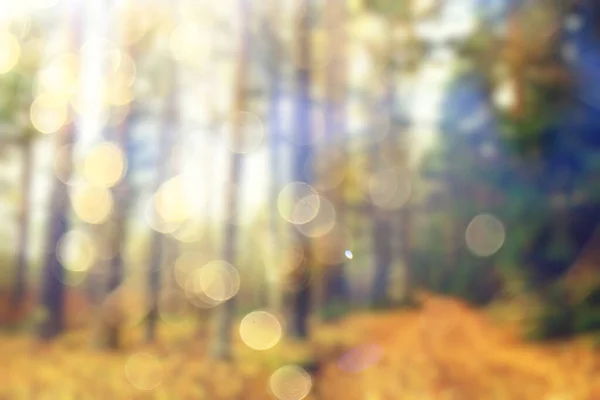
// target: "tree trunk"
[[20, 284], [225, 313], [121, 194], [53, 273], [336, 291], [516, 64], [300, 289], [382, 231], [163, 170], [274, 296]]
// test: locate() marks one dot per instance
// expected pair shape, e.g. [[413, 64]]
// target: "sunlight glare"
[[10, 52], [105, 165]]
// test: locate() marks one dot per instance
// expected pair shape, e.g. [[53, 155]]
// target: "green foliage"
[[561, 318], [390, 8], [334, 310]]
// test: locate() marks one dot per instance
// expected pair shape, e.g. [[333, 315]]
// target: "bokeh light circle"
[[105, 165], [298, 203], [10, 52], [155, 221], [322, 223], [48, 113], [260, 330], [172, 202], [290, 383], [389, 190], [219, 280], [485, 235], [76, 251], [143, 371], [189, 43], [60, 77], [91, 204], [210, 284]]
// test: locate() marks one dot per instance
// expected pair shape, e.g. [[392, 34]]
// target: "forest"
[[300, 199]]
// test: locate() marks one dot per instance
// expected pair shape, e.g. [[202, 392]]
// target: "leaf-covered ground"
[[443, 351]]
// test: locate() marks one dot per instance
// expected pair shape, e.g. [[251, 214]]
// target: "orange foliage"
[[446, 350]]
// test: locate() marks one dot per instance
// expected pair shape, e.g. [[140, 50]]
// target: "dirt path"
[[449, 351]]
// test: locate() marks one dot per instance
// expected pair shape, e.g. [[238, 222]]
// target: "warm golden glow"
[[127, 306], [60, 77], [155, 221], [48, 113], [77, 251], [290, 383], [10, 52], [92, 204], [219, 281], [210, 284], [42, 4], [284, 258], [189, 43], [190, 231], [172, 306], [132, 22], [260, 330], [122, 68], [298, 203], [172, 201], [105, 165], [184, 265], [117, 93], [143, 371], [323, 222]]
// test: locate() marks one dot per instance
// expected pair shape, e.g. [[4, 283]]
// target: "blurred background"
[[320, 199]]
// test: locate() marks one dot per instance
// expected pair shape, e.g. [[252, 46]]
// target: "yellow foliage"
[[443, 351]]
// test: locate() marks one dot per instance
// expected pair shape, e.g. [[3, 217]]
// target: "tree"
[[300, 295], [18, 82], [335, 287], [275, 134], [118, 235], [225, 314], [168, 127], [53, 272]]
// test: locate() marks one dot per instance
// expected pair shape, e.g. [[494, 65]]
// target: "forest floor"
[[445, 350]]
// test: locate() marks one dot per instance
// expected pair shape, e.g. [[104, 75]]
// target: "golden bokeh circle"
[[290, 383], [105, 165], [298, 203], [48, 113], [260, 330], [76, 251], [10, 52], [143, 371], [91, 204]]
